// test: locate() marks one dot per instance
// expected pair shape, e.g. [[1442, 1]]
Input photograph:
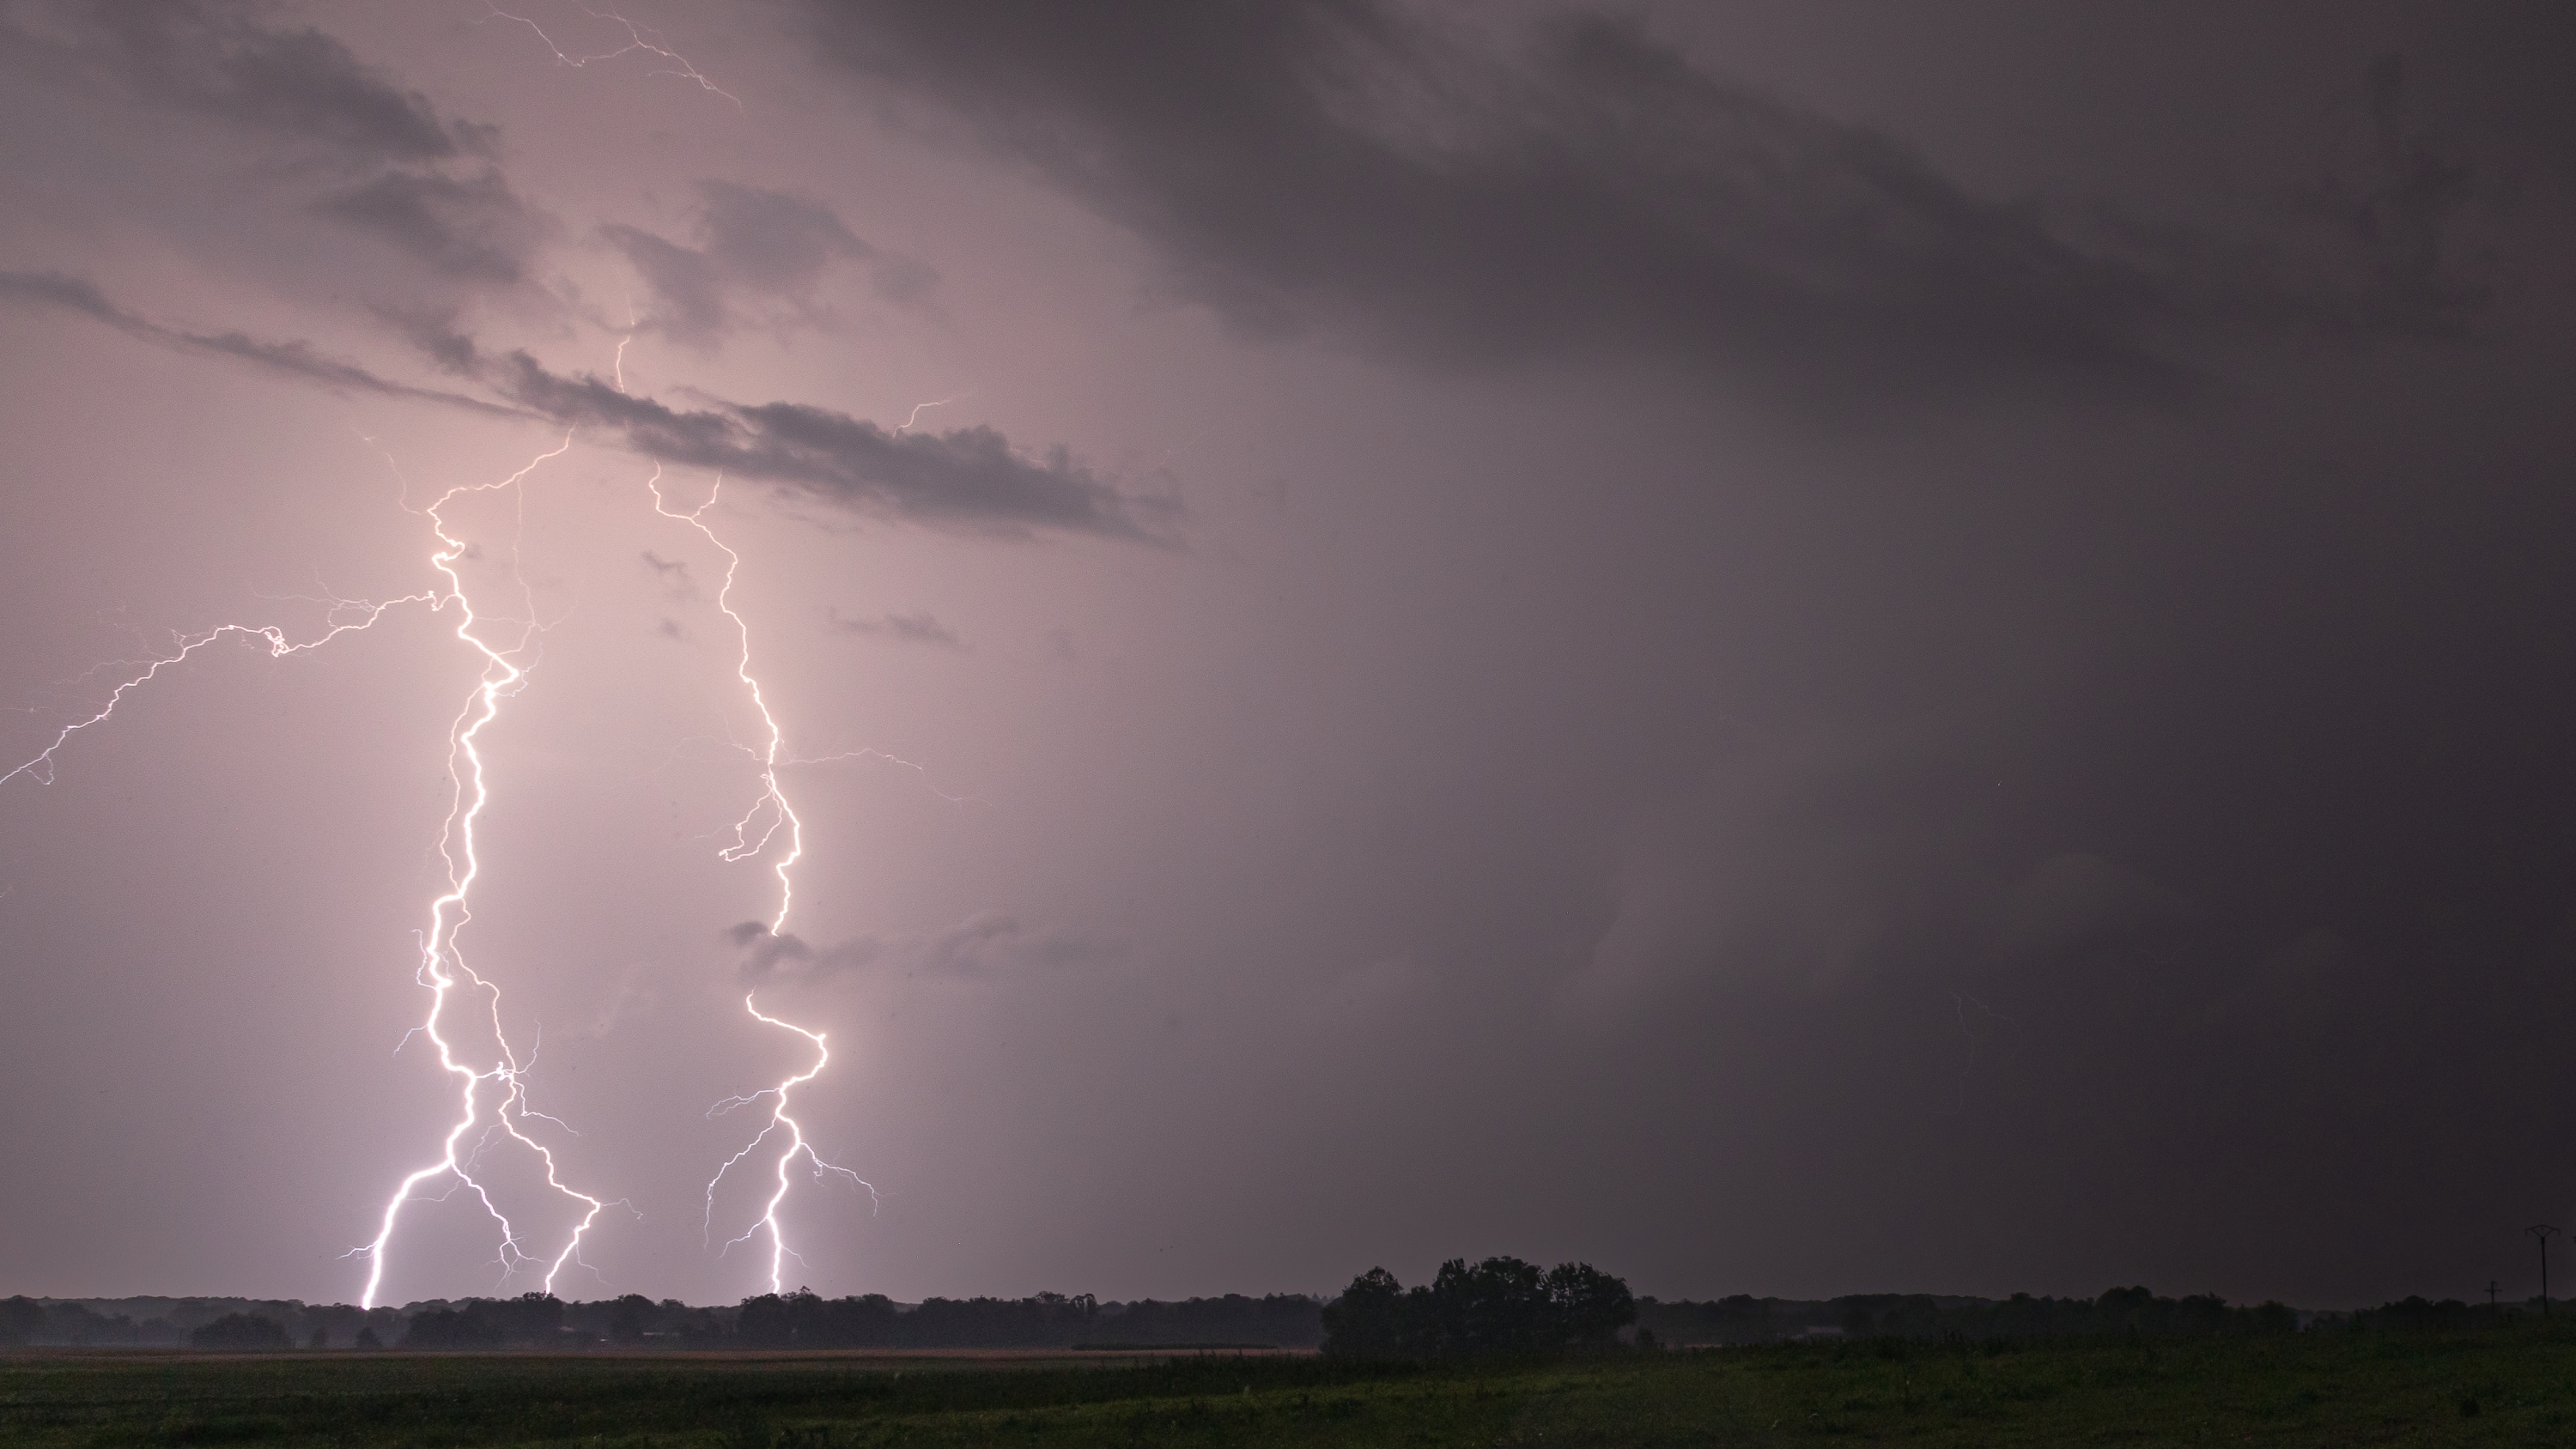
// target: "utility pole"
[[2491, 1293], [2542, 1231]]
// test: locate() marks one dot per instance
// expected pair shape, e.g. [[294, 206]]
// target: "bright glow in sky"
[[1787, 650]]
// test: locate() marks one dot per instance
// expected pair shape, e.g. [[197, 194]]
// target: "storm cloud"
[[1920, 646], [917, 627], [359, 148], [966, 477], [295, 360], [1582, 189], [755, 244]]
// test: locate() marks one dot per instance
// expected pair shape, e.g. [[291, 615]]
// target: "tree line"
[[2134, 1310], [801, 1319], [1498, 1306], [804, 1319]]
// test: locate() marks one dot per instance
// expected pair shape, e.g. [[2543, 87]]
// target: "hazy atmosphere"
[[1791, 648]]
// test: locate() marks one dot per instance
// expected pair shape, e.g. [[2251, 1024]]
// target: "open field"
[[2513, 1386]]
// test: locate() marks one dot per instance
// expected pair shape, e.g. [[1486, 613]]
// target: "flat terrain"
[[2513, 1386]]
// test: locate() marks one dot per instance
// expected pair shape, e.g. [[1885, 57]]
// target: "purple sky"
[[1794, 648]]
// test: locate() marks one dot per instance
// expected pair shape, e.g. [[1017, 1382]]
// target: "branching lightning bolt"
[[41, 765], [769, 815], [920, 770], [442, 967], [638, 37]]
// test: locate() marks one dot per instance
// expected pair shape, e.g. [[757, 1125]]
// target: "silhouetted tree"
[[1590, 1306], [239, 1331], [1498, 1306], [2415, 1313], [1369, 1319], [453, 1328], [21, 1319], [534, 1319], [626, 1324], [761, 1322]]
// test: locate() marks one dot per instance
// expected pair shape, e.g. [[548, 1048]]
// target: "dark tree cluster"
[[238, 1332], [1746, 1319], [1045, 1320], [1274, 1320], [1498, 1306], [793, 1320], [2416, 1315], [173, 1322], [22, 1321], [531, 1320]]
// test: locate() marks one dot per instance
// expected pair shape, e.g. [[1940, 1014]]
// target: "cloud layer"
[[342, 136], [1585, 190], [758, 245], [969, 478]]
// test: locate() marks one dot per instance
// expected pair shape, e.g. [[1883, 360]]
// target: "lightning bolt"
[[921, 771], [442, 967], [917, 409], [40, 766], [638, 38], [769, 815]]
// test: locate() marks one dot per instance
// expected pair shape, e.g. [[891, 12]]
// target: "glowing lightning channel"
[[456, 840], [41, 765], [770, 814], [917, 409], [638, 37], [871, 753], [448, 914]]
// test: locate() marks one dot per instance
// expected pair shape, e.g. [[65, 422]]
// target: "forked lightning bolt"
[[638, 38], [768, 816], [442, 967], [41, 765]]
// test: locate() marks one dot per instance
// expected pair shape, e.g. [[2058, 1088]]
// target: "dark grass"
[[2509, 1386]]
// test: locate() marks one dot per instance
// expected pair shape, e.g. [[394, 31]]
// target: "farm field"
[[2510, 1386]]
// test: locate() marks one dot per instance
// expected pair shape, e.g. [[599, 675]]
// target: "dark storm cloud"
[[218, 62], [1331, 162], [757, 242], [781, 242], [919, 627], [985, 946], [688, 290], [471, 228], [295, 359], [969, 477], [396, 169]]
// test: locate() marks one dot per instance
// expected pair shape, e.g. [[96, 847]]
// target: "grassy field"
[[2512, 1386]]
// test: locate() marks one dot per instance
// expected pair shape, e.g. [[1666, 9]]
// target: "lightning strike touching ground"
[[442, 967], [769, 814]]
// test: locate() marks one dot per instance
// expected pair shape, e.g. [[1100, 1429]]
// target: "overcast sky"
[[1790, 648]]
